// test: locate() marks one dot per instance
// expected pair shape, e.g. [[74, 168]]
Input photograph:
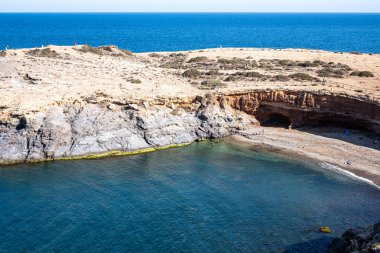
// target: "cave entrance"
[[276, 120]]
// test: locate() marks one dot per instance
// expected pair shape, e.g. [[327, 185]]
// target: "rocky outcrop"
[[366, 240], [94, 126], [81, 128]]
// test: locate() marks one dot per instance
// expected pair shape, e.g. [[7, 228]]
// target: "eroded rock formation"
[[308, 109]]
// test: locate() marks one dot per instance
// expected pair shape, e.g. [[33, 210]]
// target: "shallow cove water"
[[206, 197]]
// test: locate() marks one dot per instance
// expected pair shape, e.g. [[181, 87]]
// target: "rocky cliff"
[[89, 127]]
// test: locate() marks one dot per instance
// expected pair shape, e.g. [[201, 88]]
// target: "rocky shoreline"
[[83, 128], [364, 240]]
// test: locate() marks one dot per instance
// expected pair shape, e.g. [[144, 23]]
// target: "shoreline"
[[367, 171], [356, 173], [102, 155]]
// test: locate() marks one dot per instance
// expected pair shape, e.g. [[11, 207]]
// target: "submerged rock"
[[325, 230]]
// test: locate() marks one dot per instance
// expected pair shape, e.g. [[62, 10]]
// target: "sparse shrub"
[[358, 53], [135, 81], [286, 63], [319, 62], [191, 73], [343, 67], [154, 55], [104, 50], [249, 74], [301, 77], [176, 55], [307, 64], [236, 63], [89, 49], [174, 62], [46, 52], [171, 65], [3, 53], [127, 52], [281, 78], [213, 83], [231, 78], [266, 65], [198, 59], [362, 74], [331, 72], [213, 72]]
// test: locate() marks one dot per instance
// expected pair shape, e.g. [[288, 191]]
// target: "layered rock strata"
[[85, 128]]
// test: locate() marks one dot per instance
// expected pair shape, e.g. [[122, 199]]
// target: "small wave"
[[341, 171]]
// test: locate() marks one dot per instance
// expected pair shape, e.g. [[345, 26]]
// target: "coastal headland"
[[63, 102]]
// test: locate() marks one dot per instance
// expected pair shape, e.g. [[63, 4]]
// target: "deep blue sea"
[[207, 197], [170, 32]]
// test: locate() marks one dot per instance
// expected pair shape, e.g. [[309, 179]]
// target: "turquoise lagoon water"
[[143, 32], [207, 197]]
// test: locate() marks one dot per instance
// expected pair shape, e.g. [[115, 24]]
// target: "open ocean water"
[[185, 31], [206, 197]]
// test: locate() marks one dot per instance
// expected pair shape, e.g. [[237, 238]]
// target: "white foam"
[[341, 171]]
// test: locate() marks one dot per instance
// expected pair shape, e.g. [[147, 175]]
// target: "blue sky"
[[190, 6]]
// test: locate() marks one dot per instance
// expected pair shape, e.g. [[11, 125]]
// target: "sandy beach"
[[354, 152]]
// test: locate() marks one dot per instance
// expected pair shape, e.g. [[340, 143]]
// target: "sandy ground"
[[76, 75], [355, 151]]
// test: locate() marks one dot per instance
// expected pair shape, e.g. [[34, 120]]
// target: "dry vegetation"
[[46, 52], [105, 50], [271, 70]]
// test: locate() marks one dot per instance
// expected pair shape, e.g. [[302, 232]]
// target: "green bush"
[[362, 74], [191, 73]]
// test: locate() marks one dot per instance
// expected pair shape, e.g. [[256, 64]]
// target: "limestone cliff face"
[[79, 129], [94, 127]]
